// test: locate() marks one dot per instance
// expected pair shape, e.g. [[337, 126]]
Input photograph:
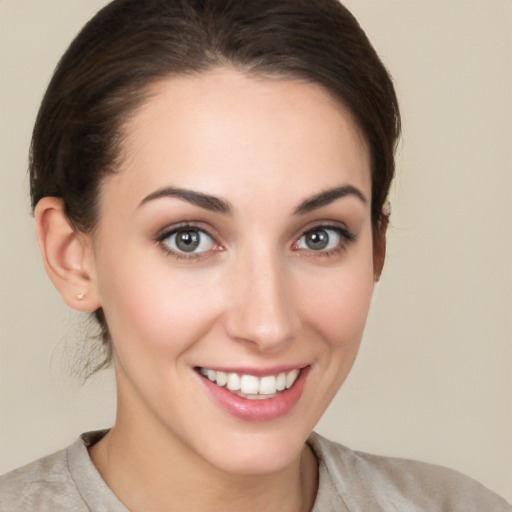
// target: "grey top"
[[349, 481]]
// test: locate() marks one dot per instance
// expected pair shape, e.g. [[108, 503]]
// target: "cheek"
[[338, 305], [350, 305], [154, 310]]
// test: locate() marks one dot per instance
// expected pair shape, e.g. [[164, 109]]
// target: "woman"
[[209, 179]]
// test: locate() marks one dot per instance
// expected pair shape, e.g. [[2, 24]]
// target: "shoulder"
[[64, 481], [374, 482], [44, 485]]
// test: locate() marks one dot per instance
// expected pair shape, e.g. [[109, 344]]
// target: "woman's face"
[[236, 242]]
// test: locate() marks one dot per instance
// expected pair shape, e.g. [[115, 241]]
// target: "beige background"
[[434, 378]]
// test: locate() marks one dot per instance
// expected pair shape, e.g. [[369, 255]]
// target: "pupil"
[[187, 241], [317, 240]]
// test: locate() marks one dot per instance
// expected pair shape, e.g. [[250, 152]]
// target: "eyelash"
[[346, 238], [188, 226]]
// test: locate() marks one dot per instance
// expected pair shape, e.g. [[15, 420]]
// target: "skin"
[[257, 297]]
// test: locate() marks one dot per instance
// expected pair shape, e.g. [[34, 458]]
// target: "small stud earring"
[[81, 296]]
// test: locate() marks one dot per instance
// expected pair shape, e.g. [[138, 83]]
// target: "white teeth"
[[267, 385], [291, 377], [258, 397], [251, 387], [281, 382], [222, 378], [233, 382]]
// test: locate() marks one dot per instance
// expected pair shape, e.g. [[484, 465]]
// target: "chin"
[[258, 453], [272, 458]]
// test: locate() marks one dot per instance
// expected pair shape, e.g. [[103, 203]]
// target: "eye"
[[187, 240], [323, 239]]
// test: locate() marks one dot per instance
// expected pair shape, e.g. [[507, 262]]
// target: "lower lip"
[[258, 410]]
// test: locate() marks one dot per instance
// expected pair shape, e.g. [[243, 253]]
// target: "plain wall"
[[433, 380]]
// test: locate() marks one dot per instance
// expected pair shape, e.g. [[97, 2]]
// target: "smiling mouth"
[[250, 386]]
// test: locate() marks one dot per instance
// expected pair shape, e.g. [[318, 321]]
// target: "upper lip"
[[256, 372]]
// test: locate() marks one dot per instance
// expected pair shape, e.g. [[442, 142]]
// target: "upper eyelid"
[[332, 227], [340, 227], [171, 229]]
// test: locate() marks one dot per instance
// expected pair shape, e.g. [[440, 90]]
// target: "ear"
[[379, 247], [67, 255]]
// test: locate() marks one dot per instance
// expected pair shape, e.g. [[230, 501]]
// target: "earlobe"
[[66, 255]]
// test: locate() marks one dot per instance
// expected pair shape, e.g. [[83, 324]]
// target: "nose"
[[262, 309]]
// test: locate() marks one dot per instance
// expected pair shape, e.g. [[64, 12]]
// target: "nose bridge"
[[263, 308]]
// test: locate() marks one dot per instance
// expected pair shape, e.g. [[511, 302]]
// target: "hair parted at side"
[[106, 73]]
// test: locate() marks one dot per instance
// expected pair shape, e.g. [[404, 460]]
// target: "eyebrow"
[[205, 201], [218, 205], [327, 197]]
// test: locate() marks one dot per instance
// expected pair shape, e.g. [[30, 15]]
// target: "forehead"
[[224, 131]]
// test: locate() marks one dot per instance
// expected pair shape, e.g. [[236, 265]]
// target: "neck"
[[152, 472]]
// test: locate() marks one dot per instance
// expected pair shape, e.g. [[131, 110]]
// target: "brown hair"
[[107, 70]]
